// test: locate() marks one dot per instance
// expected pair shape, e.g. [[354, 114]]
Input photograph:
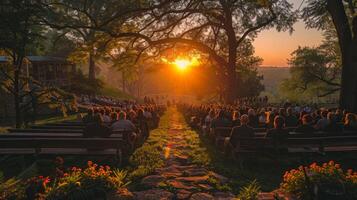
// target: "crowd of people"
[[133, 119], [97, 100], [277, 121]]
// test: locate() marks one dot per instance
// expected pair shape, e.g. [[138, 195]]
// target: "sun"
[[182, 64]]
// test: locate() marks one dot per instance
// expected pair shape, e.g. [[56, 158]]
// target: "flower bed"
[[327, 181], [89, 183]]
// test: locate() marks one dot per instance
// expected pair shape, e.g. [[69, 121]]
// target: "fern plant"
[[250, 192]]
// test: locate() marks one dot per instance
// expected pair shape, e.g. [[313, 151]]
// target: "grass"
[[114, 92], [3, 129], [56, 119], [148, 157]]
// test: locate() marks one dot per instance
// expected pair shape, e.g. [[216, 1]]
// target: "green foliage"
[[315, 71], [250, 192], [90, 183], [114, 92], [314, 180], [83, 85]]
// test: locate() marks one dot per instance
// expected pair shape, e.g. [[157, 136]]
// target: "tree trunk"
[[91, 72], [17, 100], [123, 81], [230, 88], [348, 94], [16, 92], [231, 92]]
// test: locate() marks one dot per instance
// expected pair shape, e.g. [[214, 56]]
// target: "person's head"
[[90, 111], [307, 119], [351, 119], [282, 112], [114, 116], [262, 113], [244, 119], [251, 112], [102, 111], [211, 113], [270, 117], [331, 116], [132, 114], [122, 115], [279, 122], [289, 111], [140, 112], [324, 113], [221, 114], [235, 115]]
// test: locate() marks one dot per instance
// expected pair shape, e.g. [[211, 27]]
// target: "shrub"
[[250, 192], [325, 180], [93, 182]]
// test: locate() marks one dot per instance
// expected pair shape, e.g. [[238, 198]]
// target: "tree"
[[216, 28], [18, 31], [318, 14], [85, 21], [20, 34], [315, 72]]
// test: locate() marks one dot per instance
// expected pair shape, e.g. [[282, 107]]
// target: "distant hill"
[[273, 76]]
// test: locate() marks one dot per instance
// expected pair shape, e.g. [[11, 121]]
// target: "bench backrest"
[[104, 143], [261, 142]]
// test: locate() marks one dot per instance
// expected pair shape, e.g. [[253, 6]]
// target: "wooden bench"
[[219, 134], [57, 127], [63, 146], [320, 144], [29, 130], [50, 135]]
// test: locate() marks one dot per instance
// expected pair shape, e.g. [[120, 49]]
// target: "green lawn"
[[56, 119]]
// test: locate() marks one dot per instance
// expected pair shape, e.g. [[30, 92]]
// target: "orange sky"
[[275, 47]]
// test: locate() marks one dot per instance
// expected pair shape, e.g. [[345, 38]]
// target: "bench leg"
[[119, 157]]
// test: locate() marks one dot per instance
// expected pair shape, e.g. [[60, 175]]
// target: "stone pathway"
[[180, 179]]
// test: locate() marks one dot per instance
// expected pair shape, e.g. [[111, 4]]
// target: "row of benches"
[[65, 138], [296, 142]]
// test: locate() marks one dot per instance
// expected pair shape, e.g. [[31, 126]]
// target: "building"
[[50, 71]]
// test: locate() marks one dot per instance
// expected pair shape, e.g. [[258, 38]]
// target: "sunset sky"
[[275, 47]]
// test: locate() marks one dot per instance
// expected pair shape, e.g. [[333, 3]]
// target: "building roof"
[[38, 59], [3, 59], [46, 59]]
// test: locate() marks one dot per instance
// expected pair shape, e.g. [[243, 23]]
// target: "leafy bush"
[[250, 192], [92, 182], [315, 180]]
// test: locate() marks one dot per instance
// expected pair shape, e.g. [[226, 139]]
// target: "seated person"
[[323, 122], [235, 118], [253, 119], [332, 125], [306, 126], [125, 125], [244, 130], [89, 117], [291, 119], [96, 128], [209, 118], [279, 134], [350, 122], [221, 121]]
